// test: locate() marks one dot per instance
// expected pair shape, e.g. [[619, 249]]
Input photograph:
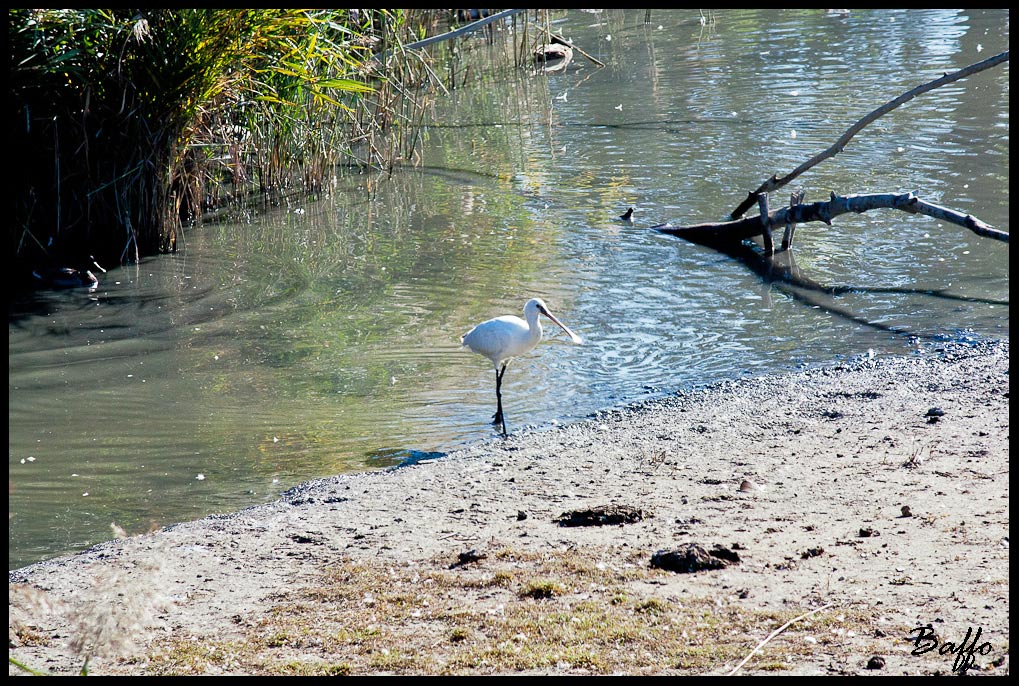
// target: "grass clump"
[[542, 589]]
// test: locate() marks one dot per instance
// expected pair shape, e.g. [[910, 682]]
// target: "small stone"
[[876, 662]]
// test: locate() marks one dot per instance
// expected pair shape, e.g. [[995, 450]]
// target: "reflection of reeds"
[[104, 621]]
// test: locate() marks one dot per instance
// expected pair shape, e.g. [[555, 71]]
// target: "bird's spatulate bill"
[[573, 337]]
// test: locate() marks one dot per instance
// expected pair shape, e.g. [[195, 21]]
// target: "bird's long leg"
[[499, 418]]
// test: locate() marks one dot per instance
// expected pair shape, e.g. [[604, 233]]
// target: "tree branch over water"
[[729, 237], [774, 183], [825, 212]]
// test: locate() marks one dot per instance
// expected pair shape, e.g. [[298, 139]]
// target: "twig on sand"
[[775, 633]]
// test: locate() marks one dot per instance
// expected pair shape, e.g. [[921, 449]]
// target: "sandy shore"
[[839, 498]]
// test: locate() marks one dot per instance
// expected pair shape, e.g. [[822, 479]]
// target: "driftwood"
[[778, 268], [740, 228], [774, 183], [798, 213]]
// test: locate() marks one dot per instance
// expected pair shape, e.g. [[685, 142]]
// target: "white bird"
[[505, 337]]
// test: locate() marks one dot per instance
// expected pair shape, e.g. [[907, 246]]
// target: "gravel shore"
[[864, 504]]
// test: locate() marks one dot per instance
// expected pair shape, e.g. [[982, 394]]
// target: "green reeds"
[[128, 124]]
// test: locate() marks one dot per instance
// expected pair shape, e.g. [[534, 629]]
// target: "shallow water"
[[323, 337]]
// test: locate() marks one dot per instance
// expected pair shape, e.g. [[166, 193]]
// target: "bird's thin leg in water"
[[499, 418]]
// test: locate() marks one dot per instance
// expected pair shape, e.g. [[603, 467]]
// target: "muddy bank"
[[873, 496]]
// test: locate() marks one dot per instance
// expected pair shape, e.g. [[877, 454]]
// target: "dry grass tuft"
[[104, 619]]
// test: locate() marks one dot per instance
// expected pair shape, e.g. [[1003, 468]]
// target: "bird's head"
[[537, 306]]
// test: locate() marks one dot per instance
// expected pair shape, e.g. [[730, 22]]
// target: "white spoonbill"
[[506, 337]]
